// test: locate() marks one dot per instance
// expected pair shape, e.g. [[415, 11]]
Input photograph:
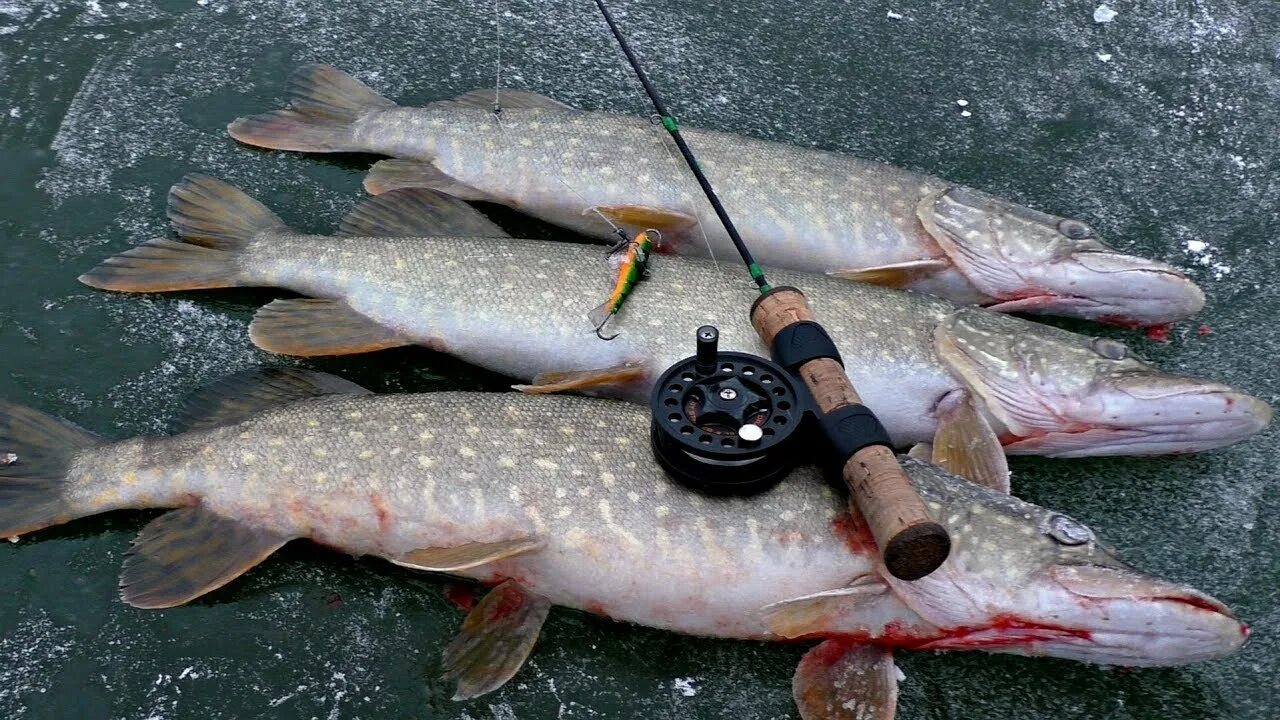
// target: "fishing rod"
[[728, 422]]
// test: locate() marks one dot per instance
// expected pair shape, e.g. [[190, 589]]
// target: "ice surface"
[[1170, 153]]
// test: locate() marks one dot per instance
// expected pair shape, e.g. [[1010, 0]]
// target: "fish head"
[[1051, 392], [1028, 580], [1031, 261]]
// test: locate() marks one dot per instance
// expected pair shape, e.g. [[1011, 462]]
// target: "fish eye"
[[1075, 229], [1110, 349], [1067, 530]]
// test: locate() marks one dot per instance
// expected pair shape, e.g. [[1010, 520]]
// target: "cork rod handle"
[[911, 543]]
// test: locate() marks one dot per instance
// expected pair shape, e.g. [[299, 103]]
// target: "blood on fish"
[[1205, 330], [463, 596], [856, 534], [1010, 631], [1120, 321], [379, 504], [1158, 333], [333, 600], [508, 603], [595, 608]]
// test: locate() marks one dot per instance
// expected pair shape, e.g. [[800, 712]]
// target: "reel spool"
[[725, 423]]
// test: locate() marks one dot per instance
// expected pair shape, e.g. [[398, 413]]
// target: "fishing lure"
[[633, 268]]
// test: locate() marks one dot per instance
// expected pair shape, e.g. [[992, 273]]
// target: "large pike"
[[558, 501], [520, 307], [797, 208]]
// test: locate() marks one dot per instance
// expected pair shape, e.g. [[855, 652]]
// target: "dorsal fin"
[[512, 99], [235, 398], [416, 212]]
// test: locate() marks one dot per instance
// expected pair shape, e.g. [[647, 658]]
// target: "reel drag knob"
[[725, 423]]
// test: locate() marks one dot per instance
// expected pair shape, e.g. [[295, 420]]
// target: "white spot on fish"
[[467, 452]]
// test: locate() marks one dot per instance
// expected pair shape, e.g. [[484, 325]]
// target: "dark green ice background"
[[104, 104]]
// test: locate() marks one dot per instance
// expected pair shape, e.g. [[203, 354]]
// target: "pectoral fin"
[[461, 557], [646, 216], [584, 380], [307, 327], [186, 553], [964, 443], [897, 275], [820, 612], [837, 680], [495, 640]]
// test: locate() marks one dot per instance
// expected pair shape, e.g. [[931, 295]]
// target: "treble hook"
[[600, 327]]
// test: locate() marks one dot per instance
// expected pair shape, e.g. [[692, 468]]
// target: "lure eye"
[[1075, 229], [1067, 530], [1110, 349]]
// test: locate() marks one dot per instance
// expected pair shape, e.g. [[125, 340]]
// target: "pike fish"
[[414, 267], [557, 501], [797, 208]]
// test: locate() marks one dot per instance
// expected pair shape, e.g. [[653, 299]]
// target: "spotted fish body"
[[560, 499], [519, 307], [795, 207]]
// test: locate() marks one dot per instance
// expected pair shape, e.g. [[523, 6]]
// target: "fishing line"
[[693, 206], [497, 116], [497, 53], [673, 128]]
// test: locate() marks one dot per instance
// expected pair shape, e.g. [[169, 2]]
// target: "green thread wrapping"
[[758, 275], [669, 123]]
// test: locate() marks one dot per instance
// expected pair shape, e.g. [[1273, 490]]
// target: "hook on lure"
[[633, 267]]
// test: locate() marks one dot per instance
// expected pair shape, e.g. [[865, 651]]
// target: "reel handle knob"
[[708, 348], [912, 544]]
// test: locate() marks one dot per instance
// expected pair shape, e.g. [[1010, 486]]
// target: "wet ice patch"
[[1104, 14], [197, 345], [34, 650]]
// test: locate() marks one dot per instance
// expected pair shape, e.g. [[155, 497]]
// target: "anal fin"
[[896, 275], [307, 327], [400, 173], [495, 639], [584, 380], [964, 443], [469, 555], [186, 553], [837, 680]]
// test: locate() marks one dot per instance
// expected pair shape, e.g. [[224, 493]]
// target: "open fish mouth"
[[1029, 261]]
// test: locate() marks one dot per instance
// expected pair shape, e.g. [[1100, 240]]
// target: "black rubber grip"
[[800, 342], [851, 428]]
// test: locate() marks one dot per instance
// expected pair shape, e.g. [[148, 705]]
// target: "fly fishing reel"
[[725, 423]]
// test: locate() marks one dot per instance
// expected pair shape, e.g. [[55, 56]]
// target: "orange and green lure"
[[633, 268]]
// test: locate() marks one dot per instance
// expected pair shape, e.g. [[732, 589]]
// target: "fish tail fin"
[[216, 220], [36, 454], [325, 106]]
